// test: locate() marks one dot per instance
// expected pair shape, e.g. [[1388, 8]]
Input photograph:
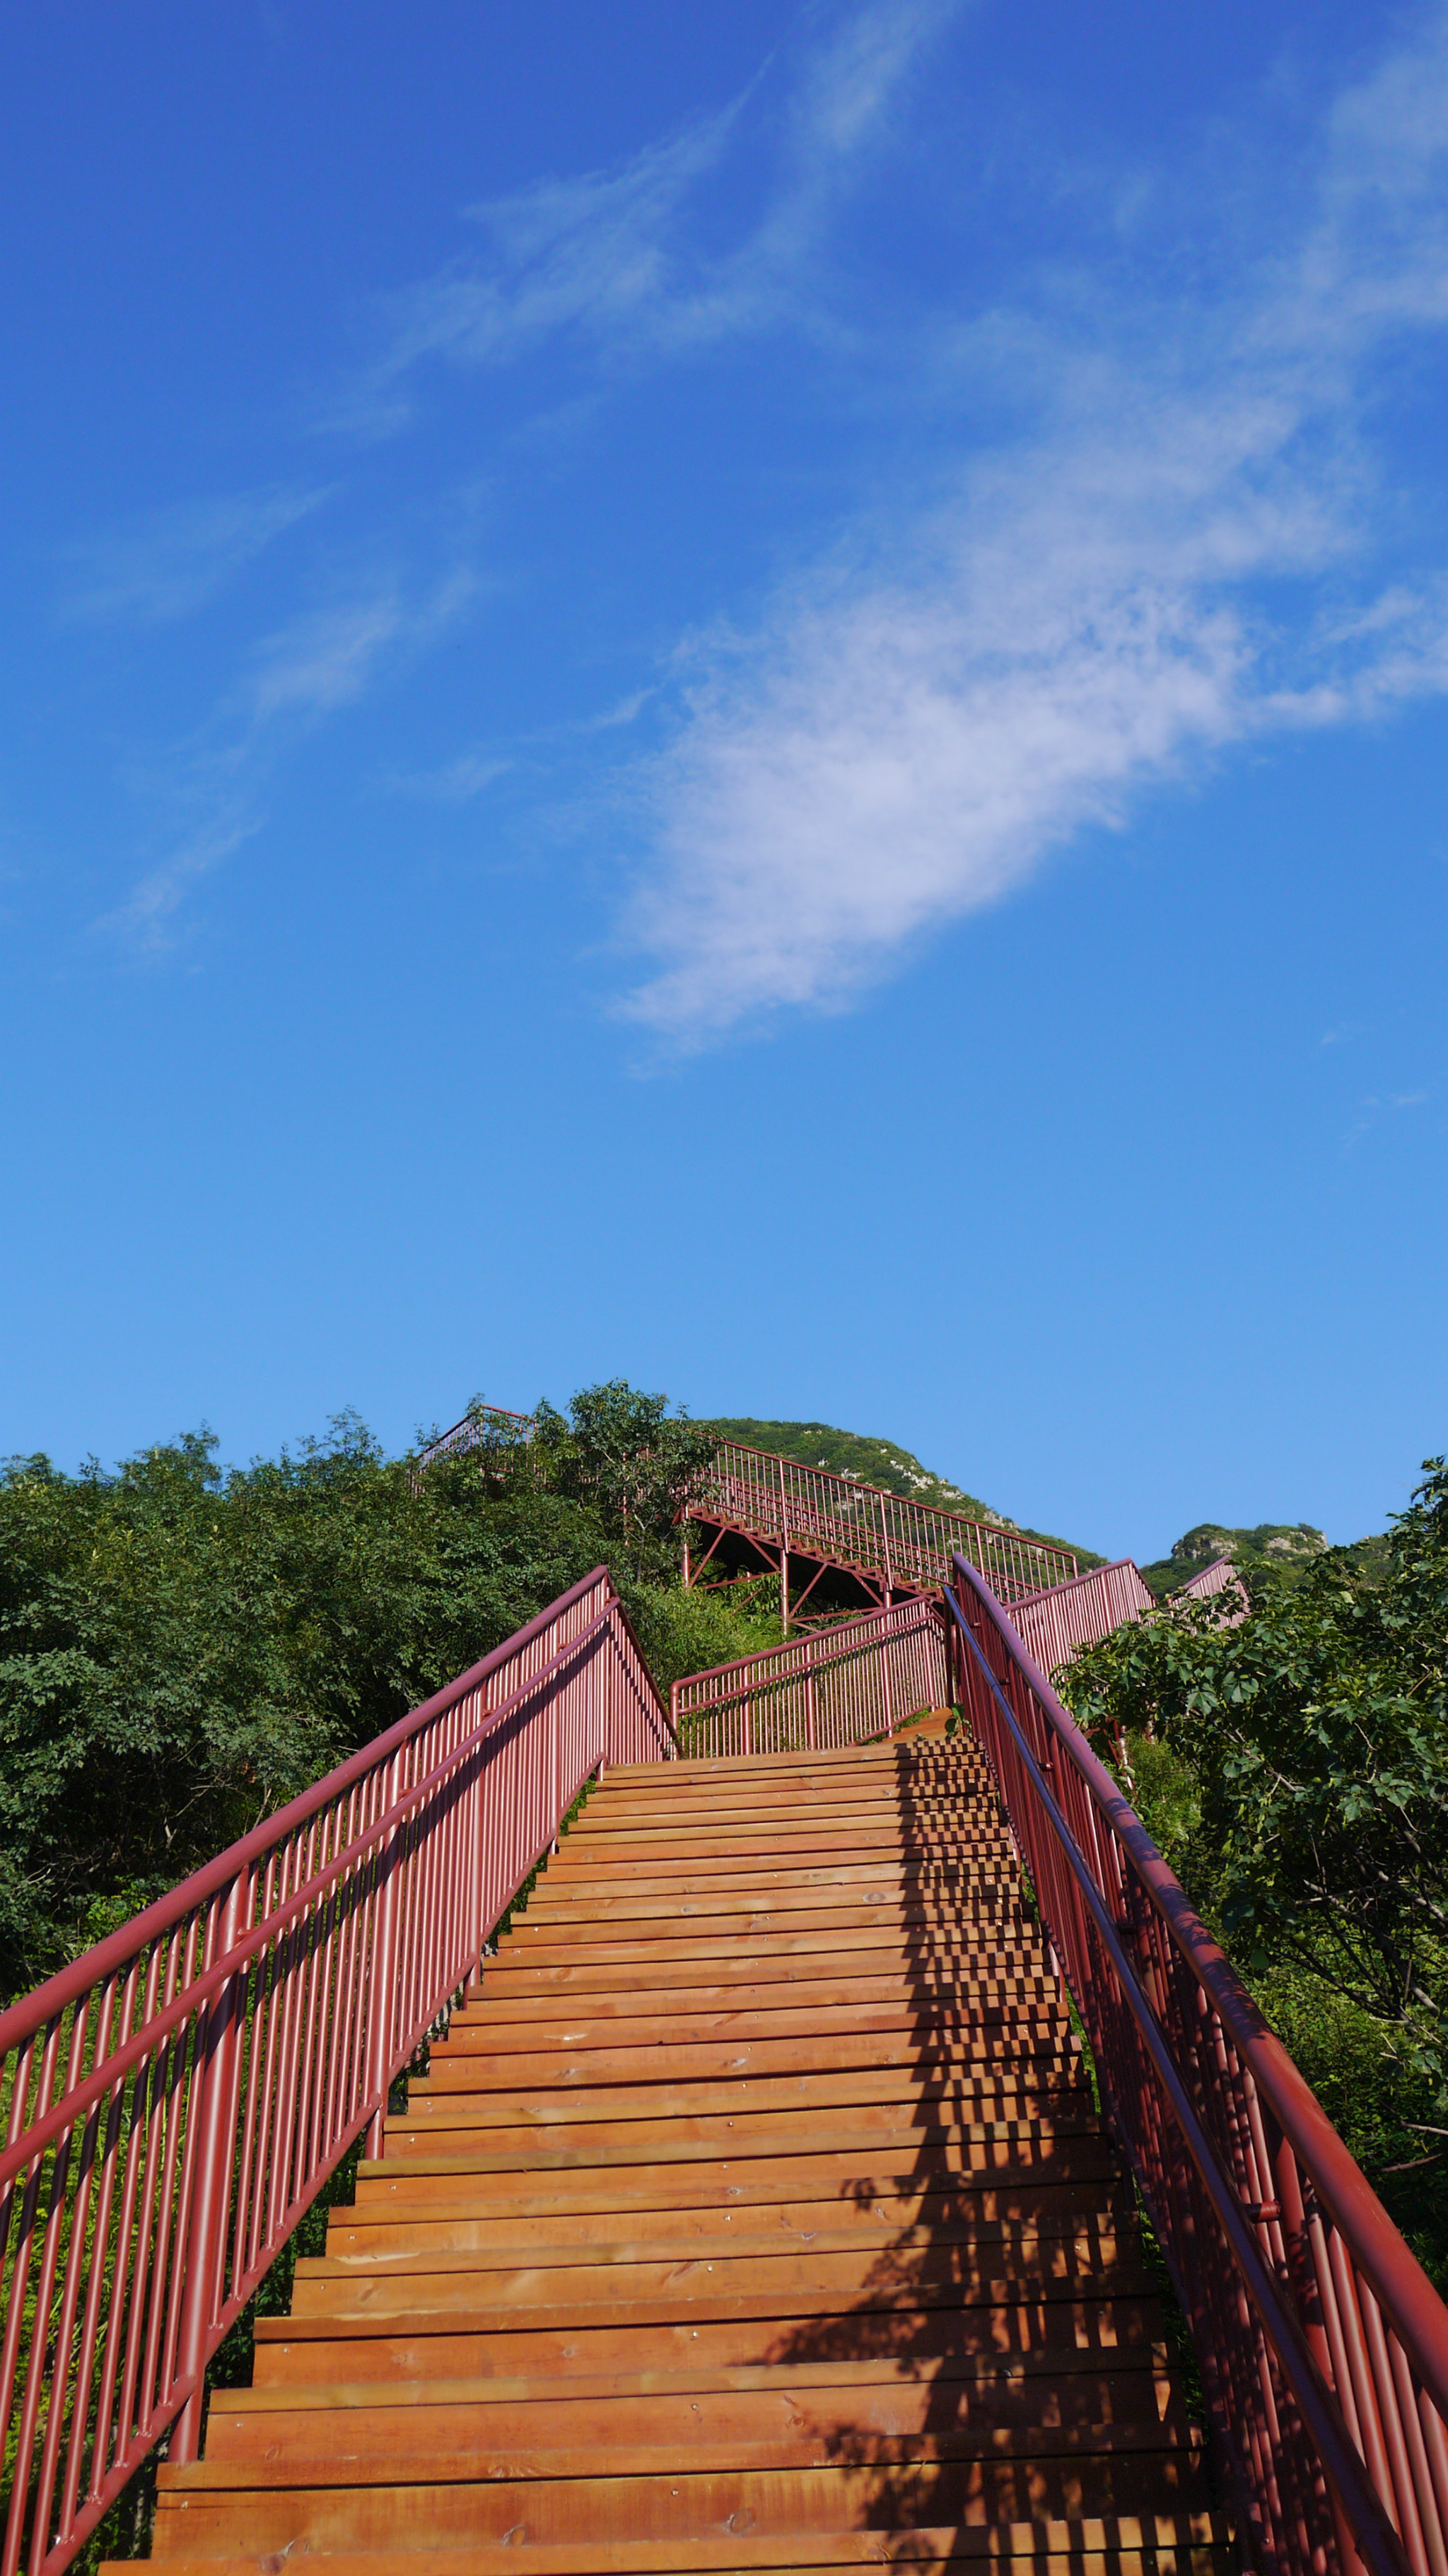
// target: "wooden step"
[[1189, 2545], [753, 2214], [565, 2216], [229, 2508]]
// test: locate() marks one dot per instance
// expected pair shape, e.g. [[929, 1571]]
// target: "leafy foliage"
[[627, 1458], [182, 1649], [1316, 1737], [685, 1632]]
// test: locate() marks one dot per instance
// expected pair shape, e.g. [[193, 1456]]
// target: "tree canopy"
[[184, 1647], [1316, 1736]]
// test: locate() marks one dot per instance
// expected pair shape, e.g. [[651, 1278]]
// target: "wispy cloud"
[[328, 656], [621, 261], [148, 923], [1181, 556], [168, 563], [322, 661], [458, 781], [1370, 1112]]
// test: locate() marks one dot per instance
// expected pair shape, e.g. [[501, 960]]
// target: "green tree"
[[183, 1648], [1317, 1735], [631, 1460]]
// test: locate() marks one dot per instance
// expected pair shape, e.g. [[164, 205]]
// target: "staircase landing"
[[756, 2215]]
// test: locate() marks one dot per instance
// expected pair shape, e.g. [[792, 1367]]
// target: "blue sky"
[[756, 698]]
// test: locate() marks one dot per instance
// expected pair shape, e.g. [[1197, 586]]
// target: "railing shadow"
[[1014, 2244]]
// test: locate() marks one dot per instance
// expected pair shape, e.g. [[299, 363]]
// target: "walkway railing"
[[838, 1686], [173, 2102], [1220, 1576], [487, 1426], [904, 1545], [1323, 2346], [1055, 1625]]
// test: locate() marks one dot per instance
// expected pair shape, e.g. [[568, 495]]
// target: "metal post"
[[214, 2115], [382, 1966], [783, 1552], [809, 1698], [477, 1928]]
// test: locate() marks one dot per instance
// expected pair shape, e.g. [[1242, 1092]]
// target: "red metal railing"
[[173, 2102], [1220, 1576], [1323, 2346], [835, 1687], [1054, 1625], [900, 1544], [488, 1426]]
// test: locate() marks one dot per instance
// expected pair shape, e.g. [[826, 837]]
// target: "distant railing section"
[[904, 1545], [1323, 2346], [1220, 1576], [173, 2102], [486, 1426], [839, 1686], [1055, 1625]]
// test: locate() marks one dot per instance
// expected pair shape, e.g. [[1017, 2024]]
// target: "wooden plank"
[[325, 2349], [562, 2205], [760, 2012], [369, 2235], [791, 2555], [989, 2039], [471, 2246], [1047, 2373]]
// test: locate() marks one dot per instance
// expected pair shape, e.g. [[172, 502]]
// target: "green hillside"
[[876, 1462], [1289, 1547]]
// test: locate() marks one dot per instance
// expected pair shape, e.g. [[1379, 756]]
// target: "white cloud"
[[457, 781], [1180, 557], [327, 657], [613, 257], [168, 563], [147, 922], [323, 661]]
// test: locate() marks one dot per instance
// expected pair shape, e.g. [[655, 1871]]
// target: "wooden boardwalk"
[[754, 2216]]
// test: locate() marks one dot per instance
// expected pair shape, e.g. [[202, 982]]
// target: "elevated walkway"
[[755, 2210], [754, 2213], [772, 1512]]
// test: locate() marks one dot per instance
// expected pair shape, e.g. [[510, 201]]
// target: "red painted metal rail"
[[1322, 2344], [173, 2102], [893, 1542], [835, 1687], [1220, 1576], [1054, 1625], [488, 1426]]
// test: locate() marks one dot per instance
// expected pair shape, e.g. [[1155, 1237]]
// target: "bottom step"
[[1175, 2545]]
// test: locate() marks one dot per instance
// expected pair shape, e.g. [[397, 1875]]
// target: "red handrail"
[[836, 1686], [174, 2101], [1323, 2345]]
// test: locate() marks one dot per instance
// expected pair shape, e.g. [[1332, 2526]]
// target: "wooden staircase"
[[754, 2216]]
